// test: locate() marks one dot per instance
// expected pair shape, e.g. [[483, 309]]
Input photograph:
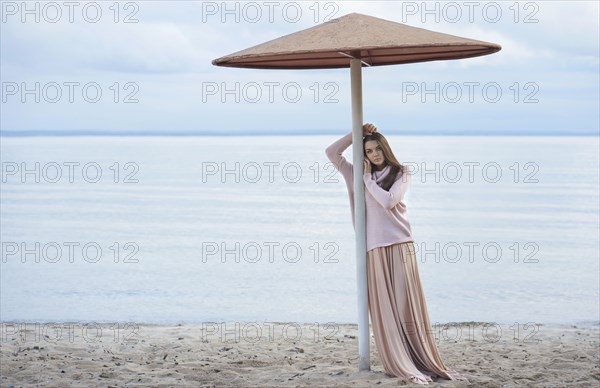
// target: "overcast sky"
[[146, 66]]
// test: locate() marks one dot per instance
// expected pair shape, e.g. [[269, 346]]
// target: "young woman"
[[397, 306]]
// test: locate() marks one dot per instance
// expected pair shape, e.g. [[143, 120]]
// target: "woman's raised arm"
[[334, 154]]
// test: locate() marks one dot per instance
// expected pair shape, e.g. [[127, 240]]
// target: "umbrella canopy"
[[375, 41]]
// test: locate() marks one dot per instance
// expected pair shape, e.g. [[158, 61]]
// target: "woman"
[[397, 307]]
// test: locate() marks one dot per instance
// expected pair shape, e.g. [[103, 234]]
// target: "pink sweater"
[[386, 214]]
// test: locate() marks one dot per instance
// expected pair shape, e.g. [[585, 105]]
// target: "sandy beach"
[[275, 354]]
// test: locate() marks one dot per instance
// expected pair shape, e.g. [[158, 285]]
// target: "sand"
[[284, 354]]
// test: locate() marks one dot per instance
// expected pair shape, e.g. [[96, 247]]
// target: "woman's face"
[[375, 154]]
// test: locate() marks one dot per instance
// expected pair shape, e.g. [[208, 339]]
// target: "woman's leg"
[[391, 340], [398, 309]]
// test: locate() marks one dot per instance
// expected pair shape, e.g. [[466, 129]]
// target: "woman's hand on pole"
[[368, 129]]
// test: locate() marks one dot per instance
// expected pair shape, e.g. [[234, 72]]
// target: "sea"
[[193, 229]]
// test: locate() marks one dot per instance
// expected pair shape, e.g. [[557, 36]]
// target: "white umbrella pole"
[[359, 214]]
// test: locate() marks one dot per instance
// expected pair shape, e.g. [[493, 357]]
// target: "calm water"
[[514, 237]]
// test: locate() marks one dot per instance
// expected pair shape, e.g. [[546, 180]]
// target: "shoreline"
[[579, 324], [284, 354]]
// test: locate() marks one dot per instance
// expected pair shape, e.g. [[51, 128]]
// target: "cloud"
[[155, 47], [169, 53]]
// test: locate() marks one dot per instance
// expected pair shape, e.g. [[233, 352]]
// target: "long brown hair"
[[389, 158]]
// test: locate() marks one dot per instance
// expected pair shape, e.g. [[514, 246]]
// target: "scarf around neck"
[[380, 175]]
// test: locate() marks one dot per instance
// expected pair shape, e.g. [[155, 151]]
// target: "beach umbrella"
[[356, 40]]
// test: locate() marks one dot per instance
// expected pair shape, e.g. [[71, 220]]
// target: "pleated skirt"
[[399, 316]]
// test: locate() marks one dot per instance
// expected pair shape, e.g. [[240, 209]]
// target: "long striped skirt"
[[399, 317]]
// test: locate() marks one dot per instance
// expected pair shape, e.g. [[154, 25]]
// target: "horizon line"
[[58, 133]]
